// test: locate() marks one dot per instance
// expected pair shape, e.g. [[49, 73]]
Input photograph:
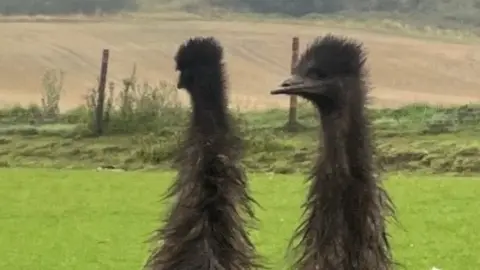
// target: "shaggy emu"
[[205, 229], [346, 207]]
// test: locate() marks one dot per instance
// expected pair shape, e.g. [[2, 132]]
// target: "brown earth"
[[403, 69]]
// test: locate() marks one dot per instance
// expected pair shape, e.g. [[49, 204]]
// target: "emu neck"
[[334, 159], [359, 144], [347, 142], [209, 115]]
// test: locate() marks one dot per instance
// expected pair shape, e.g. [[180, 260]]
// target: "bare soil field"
[[403, 70]]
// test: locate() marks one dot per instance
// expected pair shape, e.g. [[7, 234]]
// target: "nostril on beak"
[[290, 82]]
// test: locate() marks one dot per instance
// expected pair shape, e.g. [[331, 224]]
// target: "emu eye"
[[316, 74]]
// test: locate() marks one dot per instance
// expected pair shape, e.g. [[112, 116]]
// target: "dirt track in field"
[[403, 70]]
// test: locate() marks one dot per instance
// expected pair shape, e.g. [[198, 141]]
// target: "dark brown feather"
[[206, 226], [344, 226]]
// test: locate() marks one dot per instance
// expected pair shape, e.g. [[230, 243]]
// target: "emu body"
[[206, 227], [346, 206]]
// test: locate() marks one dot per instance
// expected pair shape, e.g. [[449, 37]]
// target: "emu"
[[206, 226], [344, 226]]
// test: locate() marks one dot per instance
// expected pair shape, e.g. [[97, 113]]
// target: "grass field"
[[53, 219], [404, 69]]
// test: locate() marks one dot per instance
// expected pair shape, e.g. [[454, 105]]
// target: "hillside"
[[403, 69], [446, 13]]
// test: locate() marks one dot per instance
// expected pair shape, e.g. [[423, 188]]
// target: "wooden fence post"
[[292, 113], [101, 94]]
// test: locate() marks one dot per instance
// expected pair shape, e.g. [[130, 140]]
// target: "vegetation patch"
[[144, 124]]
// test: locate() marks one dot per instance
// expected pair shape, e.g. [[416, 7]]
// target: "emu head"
[[329, 74], [197, 59]]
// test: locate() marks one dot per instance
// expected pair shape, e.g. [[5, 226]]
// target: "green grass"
[[53, 219]]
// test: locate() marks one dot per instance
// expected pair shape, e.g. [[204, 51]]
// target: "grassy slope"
[[268, 149], [100, 220]]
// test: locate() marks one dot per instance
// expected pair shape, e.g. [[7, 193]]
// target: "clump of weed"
[[18, 114], [138, 107], [440, 123], [51, 92], [90, 108]]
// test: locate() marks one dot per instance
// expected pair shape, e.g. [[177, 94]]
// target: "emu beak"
[[296, 85]]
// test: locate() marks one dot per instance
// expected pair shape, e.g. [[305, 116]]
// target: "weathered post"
[[101, 93], [292, 113]]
